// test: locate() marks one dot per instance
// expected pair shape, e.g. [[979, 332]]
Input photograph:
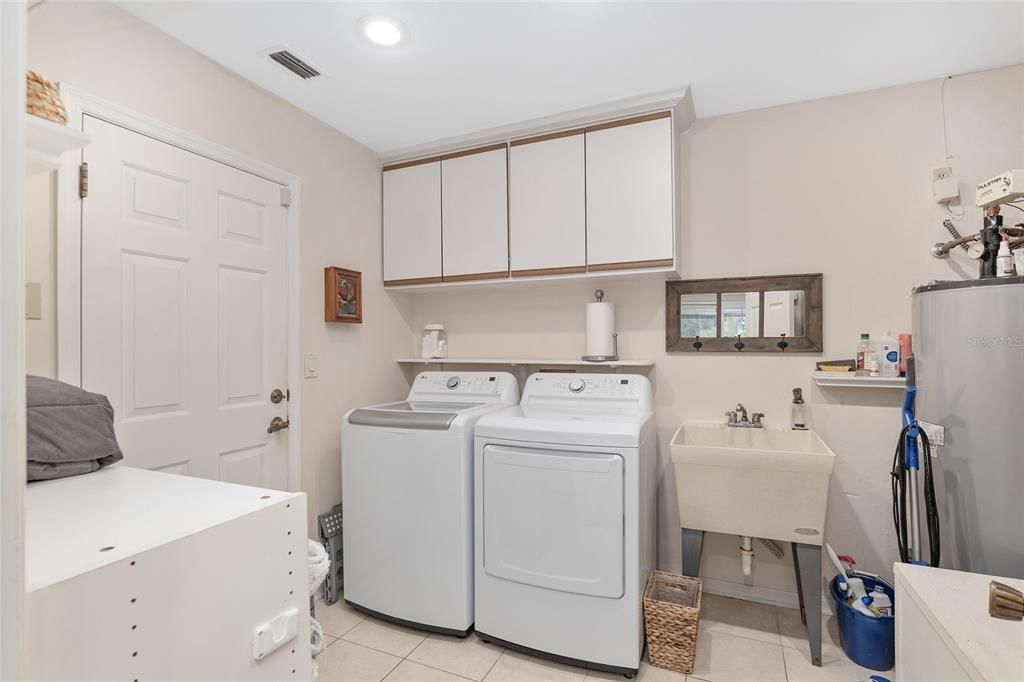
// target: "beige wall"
[[840, 186], [111, 54]]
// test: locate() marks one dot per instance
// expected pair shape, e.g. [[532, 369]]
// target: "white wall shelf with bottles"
[[852, 380]]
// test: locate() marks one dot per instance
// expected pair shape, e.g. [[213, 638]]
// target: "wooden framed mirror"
[[776, 314]]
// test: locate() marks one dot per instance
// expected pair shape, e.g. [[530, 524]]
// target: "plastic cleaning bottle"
[[888, 356], [863, 348], [1005, 266], [881, 601], [798, 417]]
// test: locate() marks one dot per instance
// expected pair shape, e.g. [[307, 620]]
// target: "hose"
[[900, 473]]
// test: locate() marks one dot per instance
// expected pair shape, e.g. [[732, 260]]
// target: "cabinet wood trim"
[[629, 121], [548, 136], [476, 275], [629, 265], [476, 150], [407, 164], [411, 280], [534, 272]]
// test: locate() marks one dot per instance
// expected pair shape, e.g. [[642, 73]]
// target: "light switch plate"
[[311, 366], [33, 301]]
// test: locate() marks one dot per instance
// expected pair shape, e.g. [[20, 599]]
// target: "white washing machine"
[[565, 497], [407, 496]]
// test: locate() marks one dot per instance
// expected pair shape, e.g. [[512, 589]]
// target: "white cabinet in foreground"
[[140, 575], [944, 632]]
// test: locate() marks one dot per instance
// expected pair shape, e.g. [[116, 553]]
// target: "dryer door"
[[554, 519]]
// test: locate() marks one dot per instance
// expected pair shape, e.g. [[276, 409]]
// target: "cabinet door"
[[474, 194], [547, 206], [412, 224], [630, 216]]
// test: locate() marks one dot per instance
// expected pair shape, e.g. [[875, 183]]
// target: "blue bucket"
[[868, 641]]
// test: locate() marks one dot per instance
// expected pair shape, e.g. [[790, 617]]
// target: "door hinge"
[[286, 196], [83, 180]]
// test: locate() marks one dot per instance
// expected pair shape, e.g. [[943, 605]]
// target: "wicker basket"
[[41, 99], [672, 613]]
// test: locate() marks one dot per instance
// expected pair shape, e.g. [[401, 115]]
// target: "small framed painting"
[[343, 295]]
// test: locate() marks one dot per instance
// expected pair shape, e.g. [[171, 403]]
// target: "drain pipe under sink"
[[746, 553]]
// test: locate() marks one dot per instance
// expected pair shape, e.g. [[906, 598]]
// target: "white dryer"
[[565, 501], [407, 496]]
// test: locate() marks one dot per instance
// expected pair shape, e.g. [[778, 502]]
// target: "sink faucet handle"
[[731, 414], [756, 418]]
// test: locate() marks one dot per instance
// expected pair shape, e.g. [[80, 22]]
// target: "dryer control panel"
[[485, 386], [625, 390]]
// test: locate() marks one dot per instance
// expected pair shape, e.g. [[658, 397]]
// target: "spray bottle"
[[798, 418]]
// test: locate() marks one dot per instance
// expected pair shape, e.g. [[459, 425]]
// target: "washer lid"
[[611, 428], [412, 414]]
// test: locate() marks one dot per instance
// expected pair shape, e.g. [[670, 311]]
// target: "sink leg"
[[807, 562], [799, 587], [693, 542]]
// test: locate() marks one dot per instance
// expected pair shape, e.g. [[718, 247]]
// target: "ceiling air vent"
[[289, 61]]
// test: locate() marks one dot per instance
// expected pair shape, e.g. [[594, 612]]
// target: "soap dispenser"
[[798, 419]]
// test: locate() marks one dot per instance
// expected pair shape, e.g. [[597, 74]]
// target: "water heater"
[[969, 356]]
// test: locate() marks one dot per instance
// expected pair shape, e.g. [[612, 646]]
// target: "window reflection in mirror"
[[783, 313], [698, 315], [741, 313]]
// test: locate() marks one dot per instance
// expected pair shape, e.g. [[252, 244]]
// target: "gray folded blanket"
[[69, 431]]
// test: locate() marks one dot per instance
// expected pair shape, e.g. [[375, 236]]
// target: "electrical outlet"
[[945, 188]]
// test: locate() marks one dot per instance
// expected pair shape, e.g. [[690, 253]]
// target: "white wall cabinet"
[[585, 194], [630, 194], [547, 205], [474, 225], [412, 223]]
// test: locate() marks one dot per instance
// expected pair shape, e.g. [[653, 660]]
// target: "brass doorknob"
[[277, 424]]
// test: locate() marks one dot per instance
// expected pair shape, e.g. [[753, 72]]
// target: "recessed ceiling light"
[[382, 30]]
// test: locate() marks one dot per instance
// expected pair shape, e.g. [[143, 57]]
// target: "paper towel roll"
[[600, 327]]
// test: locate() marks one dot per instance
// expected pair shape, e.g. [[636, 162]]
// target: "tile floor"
[[737, 640]]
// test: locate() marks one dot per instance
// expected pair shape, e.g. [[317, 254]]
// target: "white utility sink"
[[766, 483]]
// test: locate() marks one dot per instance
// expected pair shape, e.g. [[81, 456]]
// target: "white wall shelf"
[[46, 142], [529, 362], [850, 379]]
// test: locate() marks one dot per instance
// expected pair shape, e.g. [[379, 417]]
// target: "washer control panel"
[[630, 389], [439, 385]]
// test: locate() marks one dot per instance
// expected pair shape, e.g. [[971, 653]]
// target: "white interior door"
[[184, 307]]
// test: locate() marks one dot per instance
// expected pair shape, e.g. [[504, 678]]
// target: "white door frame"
[[69, 243], [12, 339]]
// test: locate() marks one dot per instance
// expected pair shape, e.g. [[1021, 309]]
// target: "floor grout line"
[[503, 650]]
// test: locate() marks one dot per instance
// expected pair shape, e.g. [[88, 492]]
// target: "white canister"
[[434, 343]]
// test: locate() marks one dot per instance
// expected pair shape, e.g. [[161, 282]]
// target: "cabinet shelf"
[[46, 142], [528, 362], [850, 379]]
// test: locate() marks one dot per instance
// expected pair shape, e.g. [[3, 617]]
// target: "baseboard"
[[760, 595]]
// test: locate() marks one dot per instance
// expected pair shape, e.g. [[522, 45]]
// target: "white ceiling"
[[473, 66]]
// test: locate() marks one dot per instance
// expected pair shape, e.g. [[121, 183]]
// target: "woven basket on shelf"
[[672, 613], [41, 99]]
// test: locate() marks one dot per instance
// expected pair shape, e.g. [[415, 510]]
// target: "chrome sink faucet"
[[738, 418]]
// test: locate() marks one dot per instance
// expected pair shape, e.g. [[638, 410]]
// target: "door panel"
[[412, 223], [474, 210], [547, 205], [183, 277], [554, 519], [630, 193]]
